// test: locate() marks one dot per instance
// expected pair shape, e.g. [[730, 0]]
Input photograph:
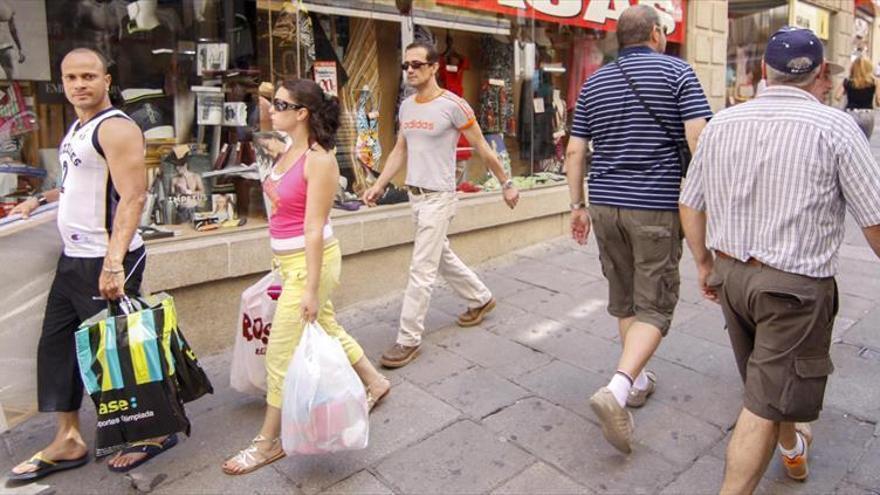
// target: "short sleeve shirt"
[[775, 176], [431, 130], [635, 162]]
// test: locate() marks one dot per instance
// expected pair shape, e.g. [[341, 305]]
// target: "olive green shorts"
[[639, 251]]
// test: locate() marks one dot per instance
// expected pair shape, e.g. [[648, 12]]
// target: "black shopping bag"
[[192, 381], [127, 368]]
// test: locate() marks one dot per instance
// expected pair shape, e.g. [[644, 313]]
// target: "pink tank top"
[[288, 197]]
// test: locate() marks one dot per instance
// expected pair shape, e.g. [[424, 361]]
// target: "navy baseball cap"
[[794, 51]]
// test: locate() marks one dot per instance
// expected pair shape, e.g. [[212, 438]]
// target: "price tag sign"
[[539, 105], [325, 76]]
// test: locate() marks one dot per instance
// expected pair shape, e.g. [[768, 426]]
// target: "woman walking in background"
[[861, 94], [301, 187]]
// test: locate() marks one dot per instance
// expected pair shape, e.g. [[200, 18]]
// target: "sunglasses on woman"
[[283, 106], [415, 64]]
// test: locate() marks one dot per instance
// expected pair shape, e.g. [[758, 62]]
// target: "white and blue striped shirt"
[[635, 162], [775, 175]]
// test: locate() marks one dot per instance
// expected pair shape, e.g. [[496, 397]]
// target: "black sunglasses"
[[283, 106], [415, 64]]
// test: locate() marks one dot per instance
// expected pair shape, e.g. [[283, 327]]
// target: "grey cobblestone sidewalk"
[[502, 408]]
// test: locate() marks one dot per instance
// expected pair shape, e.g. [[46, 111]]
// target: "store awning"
[[595, 14]]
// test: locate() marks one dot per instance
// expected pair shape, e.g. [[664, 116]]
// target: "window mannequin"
[[142, 15], [8, 36], [96, 25]]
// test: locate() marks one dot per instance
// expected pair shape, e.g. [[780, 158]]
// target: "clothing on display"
[[152, 111], [451, 73], [536, 117], [556, 162], [367, 146], [242, 40], [586, 58], [144, 57], [293, 31], [496, 113], [361, 62]]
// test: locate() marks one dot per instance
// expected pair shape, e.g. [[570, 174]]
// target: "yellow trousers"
[[287, 326]]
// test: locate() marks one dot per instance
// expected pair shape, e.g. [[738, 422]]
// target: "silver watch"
[[578, 206], [507, 184]]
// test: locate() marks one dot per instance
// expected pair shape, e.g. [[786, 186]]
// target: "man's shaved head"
[[88, 51]]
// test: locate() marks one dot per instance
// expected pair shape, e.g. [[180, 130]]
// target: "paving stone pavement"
[[502, 408]]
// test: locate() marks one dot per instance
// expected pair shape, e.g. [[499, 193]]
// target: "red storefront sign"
[[596, 14]]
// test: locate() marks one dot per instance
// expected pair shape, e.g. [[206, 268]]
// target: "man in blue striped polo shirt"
[[634, 181]]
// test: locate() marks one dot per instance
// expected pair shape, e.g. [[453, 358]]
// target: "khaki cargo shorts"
[[780, 328], [639, 251]]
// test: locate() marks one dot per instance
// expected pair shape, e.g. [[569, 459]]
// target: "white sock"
[[641, 381], [619, 386], [797, 450]]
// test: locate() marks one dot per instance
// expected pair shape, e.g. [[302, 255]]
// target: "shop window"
[[186, 72], [189, 73], [750, 26]]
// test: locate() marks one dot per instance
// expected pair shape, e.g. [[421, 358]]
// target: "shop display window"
[[750, 26], [189, 72]]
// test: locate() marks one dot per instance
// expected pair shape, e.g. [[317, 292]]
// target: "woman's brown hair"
[[323, 110]]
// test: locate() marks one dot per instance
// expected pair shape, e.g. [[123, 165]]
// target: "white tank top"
[[88, 200]]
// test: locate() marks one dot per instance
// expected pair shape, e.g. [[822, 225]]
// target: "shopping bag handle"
[[126, 305]]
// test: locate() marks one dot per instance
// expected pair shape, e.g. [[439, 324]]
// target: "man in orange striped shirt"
[[431, 122]]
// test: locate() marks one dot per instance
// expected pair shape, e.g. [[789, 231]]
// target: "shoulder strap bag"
[[684, 152]]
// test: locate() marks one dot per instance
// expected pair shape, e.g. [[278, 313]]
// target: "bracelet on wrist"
[[113, 271], [580, 205]]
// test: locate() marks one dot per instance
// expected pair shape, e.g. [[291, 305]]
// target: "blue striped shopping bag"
[[126, 360]]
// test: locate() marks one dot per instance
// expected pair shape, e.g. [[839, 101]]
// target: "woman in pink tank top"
[[301, 187]]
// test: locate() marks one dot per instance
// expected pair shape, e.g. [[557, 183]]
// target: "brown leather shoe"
[[637, 398], [617, 422], [399, 355], [474, 316]]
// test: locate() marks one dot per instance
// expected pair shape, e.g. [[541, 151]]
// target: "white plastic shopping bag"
[[325, 404], [248, 372]]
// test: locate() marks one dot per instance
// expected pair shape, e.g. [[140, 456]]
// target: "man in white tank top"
[[431, 122], [101, 195]]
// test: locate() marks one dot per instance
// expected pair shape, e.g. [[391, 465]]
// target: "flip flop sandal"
[[46, 467], [249, 460], [372, 400], [151, 449]]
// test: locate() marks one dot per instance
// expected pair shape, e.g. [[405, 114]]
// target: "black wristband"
[[41, 199]]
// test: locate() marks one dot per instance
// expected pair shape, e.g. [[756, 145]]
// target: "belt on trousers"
[[751, 261], [419, 190]]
